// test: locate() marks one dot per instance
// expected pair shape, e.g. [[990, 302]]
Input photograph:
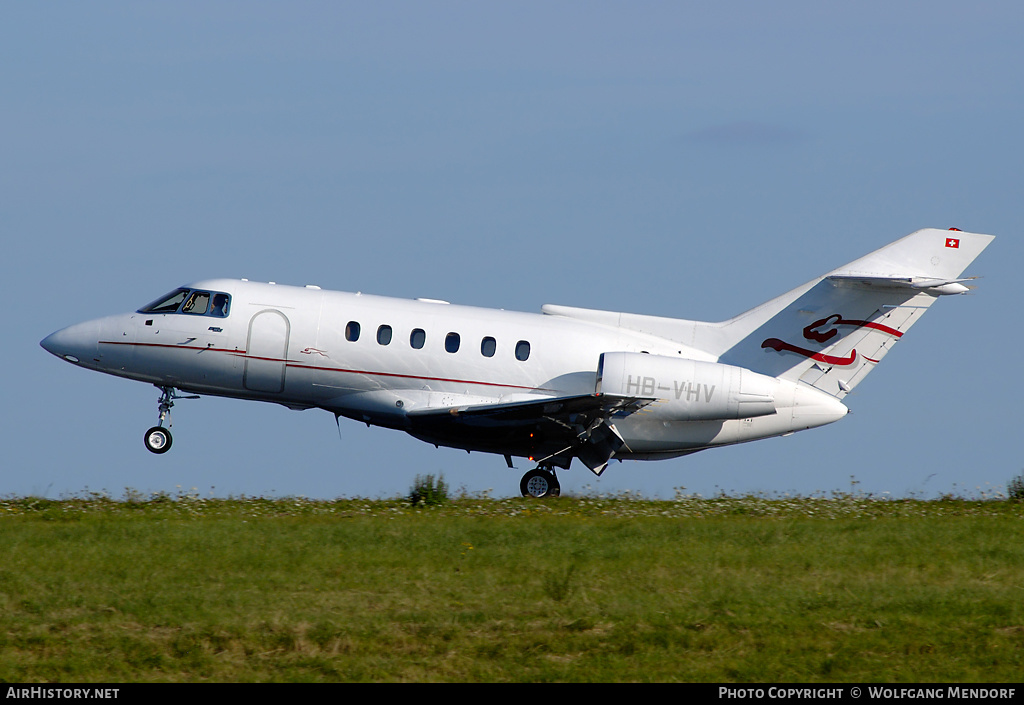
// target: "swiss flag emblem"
[[953, 242]]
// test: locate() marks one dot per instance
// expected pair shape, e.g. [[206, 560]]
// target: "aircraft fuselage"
[[376, 359]]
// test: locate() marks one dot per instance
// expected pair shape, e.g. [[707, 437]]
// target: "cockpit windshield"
[[193, 302], [166, 304]]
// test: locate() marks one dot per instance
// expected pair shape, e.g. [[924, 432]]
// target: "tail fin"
[[831, 332]]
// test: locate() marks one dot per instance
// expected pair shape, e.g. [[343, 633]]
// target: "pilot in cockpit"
[[220, 305]]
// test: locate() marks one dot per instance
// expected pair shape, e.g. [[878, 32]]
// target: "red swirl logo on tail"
[[783, 346], [816, 333], [811, 332]]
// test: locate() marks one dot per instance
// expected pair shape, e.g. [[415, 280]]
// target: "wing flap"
[[606, 404], [552, 429]]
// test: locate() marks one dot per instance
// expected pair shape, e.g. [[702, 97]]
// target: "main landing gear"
[[158, 439], [540, 482]]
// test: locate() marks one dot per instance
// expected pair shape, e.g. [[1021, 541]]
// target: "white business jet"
[[571, 383]]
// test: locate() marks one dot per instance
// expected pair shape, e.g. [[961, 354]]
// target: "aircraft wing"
[[554, 429]]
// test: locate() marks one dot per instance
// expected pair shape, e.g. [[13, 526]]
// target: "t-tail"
[[831, 332]]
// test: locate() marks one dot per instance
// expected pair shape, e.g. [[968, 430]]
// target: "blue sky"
[[678, 159]]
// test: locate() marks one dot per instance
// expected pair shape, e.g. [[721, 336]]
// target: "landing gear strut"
[[158, 439], [540, 482]]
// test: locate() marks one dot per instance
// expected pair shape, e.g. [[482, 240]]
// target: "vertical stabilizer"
[[832, 331]]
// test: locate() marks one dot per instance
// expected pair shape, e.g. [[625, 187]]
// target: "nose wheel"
[[158, 439], [540, 482]]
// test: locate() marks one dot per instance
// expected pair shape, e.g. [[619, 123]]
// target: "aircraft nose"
[[75, 343]]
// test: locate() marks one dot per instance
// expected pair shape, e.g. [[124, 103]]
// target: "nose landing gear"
[[158, 439], [540, 482]]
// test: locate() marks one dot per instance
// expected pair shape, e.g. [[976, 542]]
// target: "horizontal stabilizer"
[[931, 285]]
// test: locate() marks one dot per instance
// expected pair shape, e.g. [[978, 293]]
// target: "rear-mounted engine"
[[687, 390]]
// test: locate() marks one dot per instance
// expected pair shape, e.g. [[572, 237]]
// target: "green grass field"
[[747, 589]]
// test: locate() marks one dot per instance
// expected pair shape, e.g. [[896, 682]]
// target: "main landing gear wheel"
[[540, 483], [158, 440]]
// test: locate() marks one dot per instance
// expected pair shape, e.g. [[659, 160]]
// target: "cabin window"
[[451, 342], [197, 303], [384, 335], [418, 338], [487, 346], [166, 304], [352, 332], [523, 350]]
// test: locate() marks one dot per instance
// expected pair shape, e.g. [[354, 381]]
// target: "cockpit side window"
[[166, 304], [197, 303], [221, 302]]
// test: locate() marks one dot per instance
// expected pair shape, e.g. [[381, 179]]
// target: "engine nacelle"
[[687, 390]]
